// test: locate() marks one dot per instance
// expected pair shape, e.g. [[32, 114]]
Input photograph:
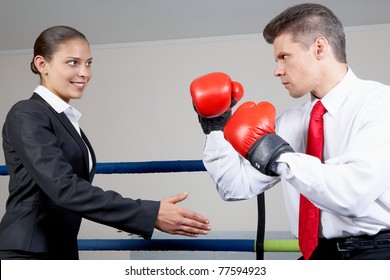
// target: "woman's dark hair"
[[49, 41], [307, 22]]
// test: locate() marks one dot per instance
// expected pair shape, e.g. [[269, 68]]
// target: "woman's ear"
[[41, 64]]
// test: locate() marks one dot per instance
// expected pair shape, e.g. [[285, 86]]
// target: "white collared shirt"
[[62, 107], [351, 187]]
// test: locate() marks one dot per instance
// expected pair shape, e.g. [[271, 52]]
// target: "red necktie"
[[309, 215]]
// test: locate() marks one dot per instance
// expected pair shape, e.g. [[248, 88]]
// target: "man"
[[347, 181]]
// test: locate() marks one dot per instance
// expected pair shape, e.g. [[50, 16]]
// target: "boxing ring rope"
[[141, 167], [238, 245], [227, 245]]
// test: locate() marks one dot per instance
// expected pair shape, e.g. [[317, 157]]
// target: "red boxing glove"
[[249, 123], [251, 131], [215, 93]]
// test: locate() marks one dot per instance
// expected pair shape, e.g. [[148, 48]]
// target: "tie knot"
[[318, 110]]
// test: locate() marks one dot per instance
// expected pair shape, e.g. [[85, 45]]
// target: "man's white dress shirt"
[[351, 187]]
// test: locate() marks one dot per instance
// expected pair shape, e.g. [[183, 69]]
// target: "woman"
[[51, 165]]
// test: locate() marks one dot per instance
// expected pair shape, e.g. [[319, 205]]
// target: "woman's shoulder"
[[29, 108], [35, 102]]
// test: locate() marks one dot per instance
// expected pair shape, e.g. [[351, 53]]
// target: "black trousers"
[[22, 255], [327, 249]]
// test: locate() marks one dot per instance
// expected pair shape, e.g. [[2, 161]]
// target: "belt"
[[364, 242]]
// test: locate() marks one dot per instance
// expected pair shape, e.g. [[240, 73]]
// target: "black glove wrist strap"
[[266, 150], [214, 124]]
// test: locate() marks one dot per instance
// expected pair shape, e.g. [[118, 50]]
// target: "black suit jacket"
[[50, 186]]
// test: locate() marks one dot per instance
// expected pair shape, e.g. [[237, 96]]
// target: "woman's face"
[[68, 72]]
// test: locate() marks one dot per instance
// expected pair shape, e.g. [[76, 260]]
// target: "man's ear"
[[321, 47], [41, 64]]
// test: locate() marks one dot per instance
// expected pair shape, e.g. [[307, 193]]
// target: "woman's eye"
[[72, 62], [89, 63]]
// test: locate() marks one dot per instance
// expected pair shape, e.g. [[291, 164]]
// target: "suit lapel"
[[72, 131], [86, 141]]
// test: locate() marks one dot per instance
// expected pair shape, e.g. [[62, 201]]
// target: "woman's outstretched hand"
[[176, 220]]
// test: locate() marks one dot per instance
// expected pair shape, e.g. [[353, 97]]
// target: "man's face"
[[296, 66]]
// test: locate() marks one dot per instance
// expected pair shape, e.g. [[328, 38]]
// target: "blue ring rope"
[[238, 245], [142, 167], [150, 167], [3, 170]]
